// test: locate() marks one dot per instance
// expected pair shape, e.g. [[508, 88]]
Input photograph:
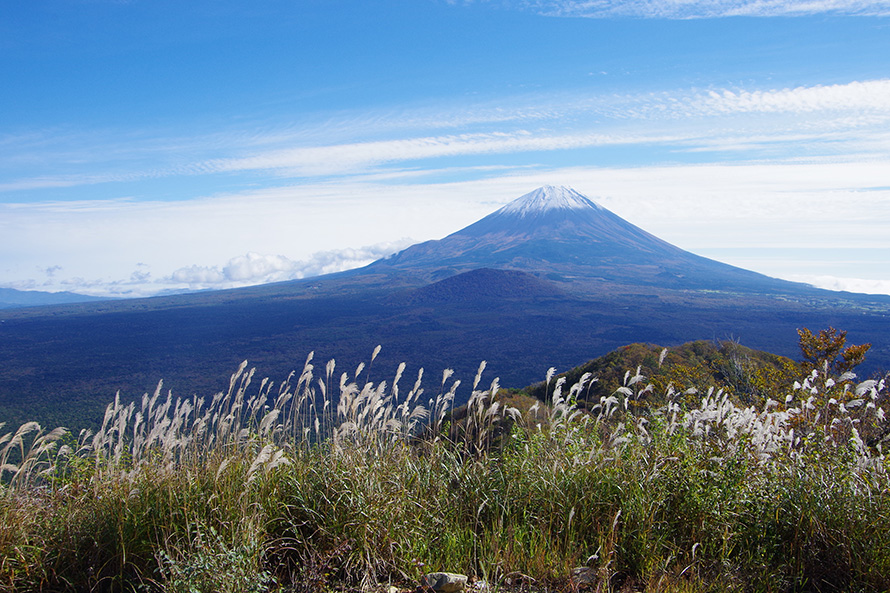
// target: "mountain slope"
[[556, 230]]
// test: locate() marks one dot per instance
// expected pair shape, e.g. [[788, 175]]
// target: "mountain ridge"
[[11, 298]]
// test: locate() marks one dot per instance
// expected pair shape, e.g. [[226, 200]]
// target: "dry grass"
[[327, 481]]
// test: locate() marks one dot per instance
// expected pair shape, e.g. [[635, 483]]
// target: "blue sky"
[[149, 146]]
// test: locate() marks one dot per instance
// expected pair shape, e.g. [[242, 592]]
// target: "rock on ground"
[[445, 582]]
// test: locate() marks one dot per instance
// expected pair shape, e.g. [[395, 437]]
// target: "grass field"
[[328, 481]]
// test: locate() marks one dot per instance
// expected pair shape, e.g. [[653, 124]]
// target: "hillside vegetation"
[[331, 481], [749, 376]]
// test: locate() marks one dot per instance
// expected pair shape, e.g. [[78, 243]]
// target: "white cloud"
[[871, 95], [862, 285], [198, 276], [256, 268], [357, 157], [244, 270], [690, 9]]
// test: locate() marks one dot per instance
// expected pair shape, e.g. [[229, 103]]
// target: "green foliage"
[[749, 376], [209, 564]]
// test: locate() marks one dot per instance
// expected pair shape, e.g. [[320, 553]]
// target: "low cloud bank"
[[257, 268], [861, 285], [245, 270]]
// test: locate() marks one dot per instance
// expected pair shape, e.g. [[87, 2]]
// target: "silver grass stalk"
[[479, 374]]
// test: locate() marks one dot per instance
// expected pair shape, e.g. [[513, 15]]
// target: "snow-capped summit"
[[549, 197], [542, 230], [552, 213]]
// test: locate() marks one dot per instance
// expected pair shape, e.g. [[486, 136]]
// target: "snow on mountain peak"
[[549, 198]]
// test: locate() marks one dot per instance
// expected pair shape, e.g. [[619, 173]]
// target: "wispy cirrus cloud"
[[857, 96], [689, 120], [358, 157], [751, 123], [697, 9]]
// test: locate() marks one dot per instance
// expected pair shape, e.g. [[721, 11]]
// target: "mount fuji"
[[559, 232], [550, 279]]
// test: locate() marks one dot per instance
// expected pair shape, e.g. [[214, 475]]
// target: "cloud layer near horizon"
[[256, 268], [807, 206]]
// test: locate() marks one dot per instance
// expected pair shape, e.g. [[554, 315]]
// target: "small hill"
[[486, 284], [747, 374]]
